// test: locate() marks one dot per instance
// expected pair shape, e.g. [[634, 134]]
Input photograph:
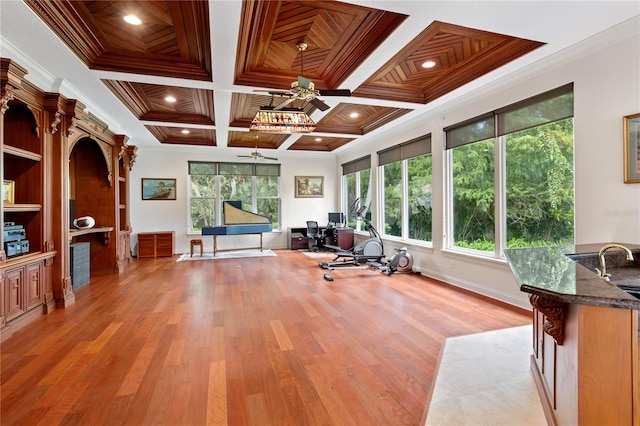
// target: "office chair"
[[315, 235]]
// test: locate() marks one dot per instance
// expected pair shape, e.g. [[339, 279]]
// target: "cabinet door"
[[34, 287], [164, 244], [14, 293], [146, 245]]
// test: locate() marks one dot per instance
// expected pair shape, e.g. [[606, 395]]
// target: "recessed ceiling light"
[[170, 99], [132, 19], [318, 139], [185, 132], [354, 115], [428, 64]]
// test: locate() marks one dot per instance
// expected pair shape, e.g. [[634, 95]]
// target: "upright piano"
[[238, 222]]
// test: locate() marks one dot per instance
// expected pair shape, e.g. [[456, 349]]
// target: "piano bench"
[[195, 242]]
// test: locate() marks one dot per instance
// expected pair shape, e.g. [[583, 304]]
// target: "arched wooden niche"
[[104, 148], [91, 189], [22, 118]]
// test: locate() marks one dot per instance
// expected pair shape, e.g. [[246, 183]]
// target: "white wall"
[[606, 76], [169, 215]]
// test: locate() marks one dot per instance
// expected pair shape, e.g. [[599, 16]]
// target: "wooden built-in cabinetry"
[[39, 134], [585, 362], [155, 244]]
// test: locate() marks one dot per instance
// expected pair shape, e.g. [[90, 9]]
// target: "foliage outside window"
[[527, 148], [540, 185], [419, 173], [406, 184], [257, 186], [392, 199], [357, 183]]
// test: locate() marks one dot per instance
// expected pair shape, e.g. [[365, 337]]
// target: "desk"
[[341, 237]]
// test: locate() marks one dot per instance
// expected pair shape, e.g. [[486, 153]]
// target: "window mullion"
[[404, 213], [500, 189], [447, 218], [217, 203]]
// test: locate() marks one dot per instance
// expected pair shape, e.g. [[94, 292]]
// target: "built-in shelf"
[[22, 153], [105, 232], [16, 208]]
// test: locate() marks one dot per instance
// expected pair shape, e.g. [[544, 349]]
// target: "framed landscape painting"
[[158, 189], [309, 186], [631, 125]]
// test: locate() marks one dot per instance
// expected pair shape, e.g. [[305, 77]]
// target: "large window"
[[356, 179], [406, 172], [512, 176], [256, 185]]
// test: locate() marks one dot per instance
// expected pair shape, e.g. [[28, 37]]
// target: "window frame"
[[354, 167], [217, 199], [496, 120], [403, 152]]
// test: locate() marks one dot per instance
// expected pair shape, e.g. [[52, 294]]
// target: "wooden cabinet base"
[[155, 244], [592, 377]]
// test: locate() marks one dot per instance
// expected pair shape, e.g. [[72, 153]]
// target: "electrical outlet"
[[451, 264]]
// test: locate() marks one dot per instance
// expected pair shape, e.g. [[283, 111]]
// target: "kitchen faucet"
[[602, 272]]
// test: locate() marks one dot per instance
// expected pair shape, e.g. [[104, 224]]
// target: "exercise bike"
[[369, 254]]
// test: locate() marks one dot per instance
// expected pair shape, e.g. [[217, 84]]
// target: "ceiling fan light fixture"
[[285, 120]]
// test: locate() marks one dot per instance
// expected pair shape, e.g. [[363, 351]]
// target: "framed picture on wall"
[[8, 191], [309, 186], [158, 189], [631, 125]]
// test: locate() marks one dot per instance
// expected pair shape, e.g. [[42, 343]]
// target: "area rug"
[[239, 254], [484, 379], [318, 254]]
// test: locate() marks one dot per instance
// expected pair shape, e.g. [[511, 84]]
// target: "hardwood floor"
[[258, 341]]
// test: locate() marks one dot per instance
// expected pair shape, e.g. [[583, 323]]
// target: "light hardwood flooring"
[[256, 341]]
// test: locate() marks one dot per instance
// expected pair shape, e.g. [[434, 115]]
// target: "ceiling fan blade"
[[335, 92], [274, 92], [245, 156], [319, 104], [269, 158], [303, 82], [284, 104]]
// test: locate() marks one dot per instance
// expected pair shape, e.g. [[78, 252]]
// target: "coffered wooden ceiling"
[[172, 46]]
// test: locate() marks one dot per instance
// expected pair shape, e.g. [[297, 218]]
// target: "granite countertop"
[[550, 271]]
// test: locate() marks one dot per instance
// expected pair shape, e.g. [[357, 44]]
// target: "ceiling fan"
[[305, 90], [256, 156]]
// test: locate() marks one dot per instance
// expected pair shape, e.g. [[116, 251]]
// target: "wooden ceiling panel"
[[256, 140], [147, 102], [172, 40], [357, 119], [315, 143], [340, 36], [460, 54], [176, 135]]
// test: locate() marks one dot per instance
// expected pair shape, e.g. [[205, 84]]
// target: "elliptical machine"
[[368, 254]]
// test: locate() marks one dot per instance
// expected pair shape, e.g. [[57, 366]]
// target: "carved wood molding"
[[553, 311], [6, 97]]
